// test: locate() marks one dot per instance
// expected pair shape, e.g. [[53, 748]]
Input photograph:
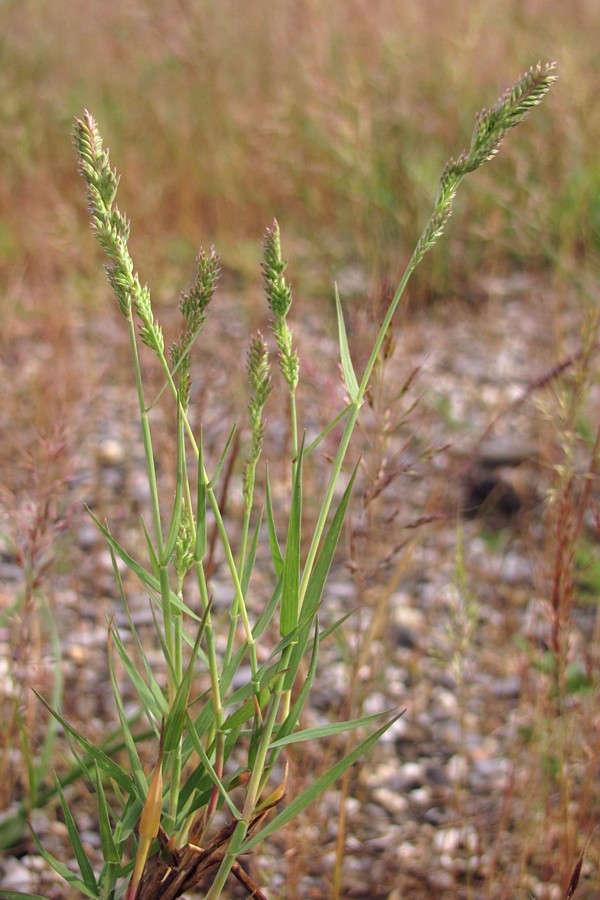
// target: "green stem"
[[215, 683], [237, 838], [234, 607], [294, 429], [353, 412], [146, 437], [239, 598], [252, 796]]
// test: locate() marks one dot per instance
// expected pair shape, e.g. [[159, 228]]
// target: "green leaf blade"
[[348, 372], [316, 789]]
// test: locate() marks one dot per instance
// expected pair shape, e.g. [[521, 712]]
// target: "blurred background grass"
[[334, 117]]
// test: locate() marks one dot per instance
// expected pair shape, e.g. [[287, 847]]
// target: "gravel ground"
[[443, 567]]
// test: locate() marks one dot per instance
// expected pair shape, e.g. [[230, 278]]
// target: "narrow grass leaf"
[[246, 711], [151, 694], [268, 612], [190, 640], [154, 702], [111, 745], [284, 642], [322, 731], [63, 871], [205, 719], [265, 675], [200, 548], [346, 360], [318, 578], [318, 787], [151, 697], [124, 826], [289, 723], [164, 647], [210, 769], [128, 820], [255, 736], [44, 753], [251, 556], [177, 713], [175, 522], [335, 625], [150, 548], [327, 430], [137, 769], [222, 458], [197, 784], [291, 563], [20, 895], [110, 852], [149, 580], [198, 788], [276, 554], [83, 862], [112, 769]]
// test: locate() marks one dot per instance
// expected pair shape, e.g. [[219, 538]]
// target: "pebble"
[[457, 769], [421, 796], [394, 803], [88, 536], [449, 840], [110, 452], [493, 771], [16, 875], [410, 775]]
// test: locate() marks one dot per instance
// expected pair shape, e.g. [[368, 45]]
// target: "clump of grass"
[[32, 539], [218, 781], [562, 739]]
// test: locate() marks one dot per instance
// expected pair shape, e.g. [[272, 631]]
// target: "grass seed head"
[[279, 293]]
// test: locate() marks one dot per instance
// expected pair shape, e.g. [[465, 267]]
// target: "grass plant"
[[32, 539], [217, 785], [562, 738]]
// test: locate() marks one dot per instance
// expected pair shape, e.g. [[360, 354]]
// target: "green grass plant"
[[217, 785]]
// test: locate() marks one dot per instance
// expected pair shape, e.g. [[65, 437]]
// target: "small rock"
[[449, 840], [110, 452], [421, 796], [394, 803], [411, 775], [457, 768], [16, 876], [491, 772]]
